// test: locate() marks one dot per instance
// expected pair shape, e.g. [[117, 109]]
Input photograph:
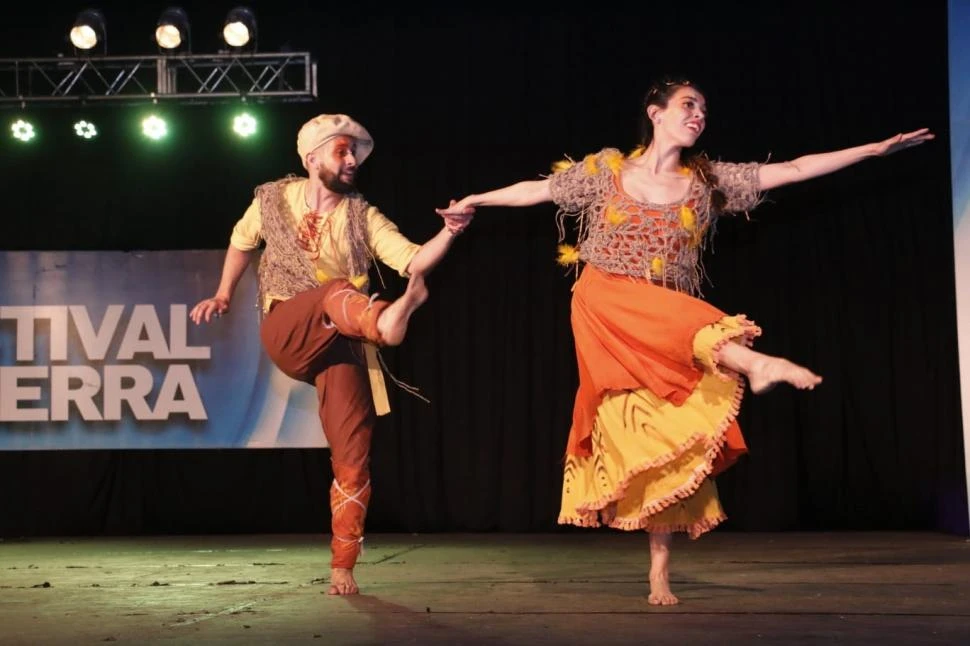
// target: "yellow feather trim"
[[614, 217], [636, 152], [562, 164], [613, 160], [657, 267], [322, 277], [568, 255], [688, 218], [591, 167], [359, 281]]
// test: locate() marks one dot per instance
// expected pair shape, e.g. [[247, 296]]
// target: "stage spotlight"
[[173, 29], [85, 130], [239, 29], [244, 125], [89, 29], [154, 127], [22, 130]]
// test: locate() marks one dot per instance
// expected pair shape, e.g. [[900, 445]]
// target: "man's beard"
[[333, 182]]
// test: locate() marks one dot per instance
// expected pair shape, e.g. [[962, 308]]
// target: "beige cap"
[[322, 128]]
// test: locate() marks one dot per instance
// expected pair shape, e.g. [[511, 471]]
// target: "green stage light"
[[85, 130], [244, 125], [154, 127], [22, 130]]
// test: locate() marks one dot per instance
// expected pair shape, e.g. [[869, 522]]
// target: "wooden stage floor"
[[587, 587]]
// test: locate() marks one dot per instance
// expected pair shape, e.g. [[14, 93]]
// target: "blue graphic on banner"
[[959, 42], [97, 352], [959, 19]]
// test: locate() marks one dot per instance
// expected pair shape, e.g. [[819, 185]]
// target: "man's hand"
[[205, 310]]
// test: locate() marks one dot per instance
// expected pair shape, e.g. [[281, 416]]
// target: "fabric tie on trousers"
[[348, 509]]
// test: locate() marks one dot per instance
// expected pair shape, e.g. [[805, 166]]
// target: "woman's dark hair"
[[659, 94]]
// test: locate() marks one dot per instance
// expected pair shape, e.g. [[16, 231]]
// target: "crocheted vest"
[[285, 270]]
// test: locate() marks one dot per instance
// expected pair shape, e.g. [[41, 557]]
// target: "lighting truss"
[[188, 78]]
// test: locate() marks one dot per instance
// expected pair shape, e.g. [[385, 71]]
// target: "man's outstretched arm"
[[232, 270]]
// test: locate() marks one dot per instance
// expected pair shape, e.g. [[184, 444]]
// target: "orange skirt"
[[654, 417]]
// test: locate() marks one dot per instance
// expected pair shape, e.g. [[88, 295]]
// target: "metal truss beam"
[[191, 78]]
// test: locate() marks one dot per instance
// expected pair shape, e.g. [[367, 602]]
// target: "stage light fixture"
[[22, 130], [154, 127], [85, 130], [239, 29], [172, 30], [89, 29], [244, 125]]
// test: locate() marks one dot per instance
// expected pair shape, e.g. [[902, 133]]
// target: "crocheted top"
[[659, 242]]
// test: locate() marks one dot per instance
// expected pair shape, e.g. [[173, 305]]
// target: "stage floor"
[[587, 587]]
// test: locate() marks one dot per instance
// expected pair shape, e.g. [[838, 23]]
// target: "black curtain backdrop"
[[851, 274]]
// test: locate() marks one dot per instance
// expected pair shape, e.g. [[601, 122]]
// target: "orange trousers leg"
[[316, 337]]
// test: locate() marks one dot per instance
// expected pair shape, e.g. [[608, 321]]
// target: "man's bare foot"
[[768, 372], [660, 594], [342, 582], [393, 322]]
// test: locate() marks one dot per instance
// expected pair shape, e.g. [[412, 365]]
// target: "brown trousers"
[[316, 337]]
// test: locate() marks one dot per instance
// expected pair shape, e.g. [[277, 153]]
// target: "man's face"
[[336, 163]]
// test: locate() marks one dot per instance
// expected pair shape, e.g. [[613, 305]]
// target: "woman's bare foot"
[[660, 594], [342, 582], [392, 324], [767, 372]]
